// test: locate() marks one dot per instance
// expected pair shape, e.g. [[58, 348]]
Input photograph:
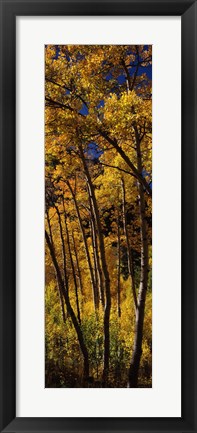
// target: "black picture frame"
[[188, 11]]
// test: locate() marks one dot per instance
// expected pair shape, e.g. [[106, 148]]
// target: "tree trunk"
[[118, 266], [129, 255], [98, 270], [64, 289], [86, 249], [95, 263], [59, 290], [104, 269], [137, 348], [72, 267], [77, 264]]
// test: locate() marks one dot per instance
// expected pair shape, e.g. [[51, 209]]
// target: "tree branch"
[[119, 149], [64, 106], [118, 168], [69, 89]]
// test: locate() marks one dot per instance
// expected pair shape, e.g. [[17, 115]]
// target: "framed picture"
[[98, 302]]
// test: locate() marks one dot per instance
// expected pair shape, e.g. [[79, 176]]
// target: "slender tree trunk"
[[95, 264], [98, 270], [77, 264], [64, 289], [72, 267], [137, 348], [118, 265], [129, 254], [49, 227], [59, 290], [86, 249], [104, 269]]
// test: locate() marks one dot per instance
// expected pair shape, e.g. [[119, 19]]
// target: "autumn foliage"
[[98, 184]]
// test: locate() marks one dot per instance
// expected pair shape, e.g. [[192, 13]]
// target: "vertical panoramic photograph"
[[98, 216]]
